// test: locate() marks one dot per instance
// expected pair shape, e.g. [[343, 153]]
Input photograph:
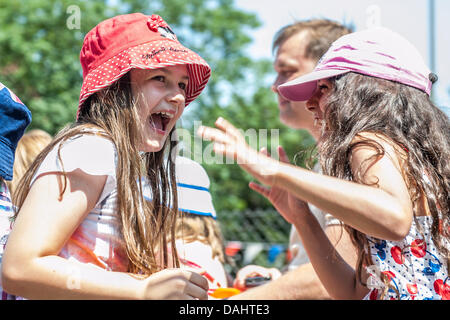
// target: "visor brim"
[[303, 87]]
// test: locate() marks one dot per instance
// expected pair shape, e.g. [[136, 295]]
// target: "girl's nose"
[[312, 103], [177, 97]]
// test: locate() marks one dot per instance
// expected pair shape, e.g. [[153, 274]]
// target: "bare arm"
[[303, 283], [384, 212], [300, 283], [31, 266], [334, 272]]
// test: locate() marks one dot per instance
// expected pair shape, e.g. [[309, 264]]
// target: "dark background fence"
[[255, 237]]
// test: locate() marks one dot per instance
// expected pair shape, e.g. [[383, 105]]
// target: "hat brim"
[[195, 199], [193, 188], [303, 87], [150, 55]]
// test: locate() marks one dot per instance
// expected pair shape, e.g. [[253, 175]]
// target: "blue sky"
[[407, 17]]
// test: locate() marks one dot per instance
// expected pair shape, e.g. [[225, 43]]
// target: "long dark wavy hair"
[[407, 118], [146, 227]]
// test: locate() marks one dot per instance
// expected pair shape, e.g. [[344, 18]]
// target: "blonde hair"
[[28, 147], [192, 227]]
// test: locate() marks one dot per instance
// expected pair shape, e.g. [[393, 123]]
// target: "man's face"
[[289, 64]]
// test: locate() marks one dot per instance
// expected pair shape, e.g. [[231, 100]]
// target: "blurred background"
[[40, 41]]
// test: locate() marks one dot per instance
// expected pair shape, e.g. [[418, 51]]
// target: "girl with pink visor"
[[384, 151], [82, 228]]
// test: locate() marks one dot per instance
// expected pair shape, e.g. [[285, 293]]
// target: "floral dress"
[[414, 267]]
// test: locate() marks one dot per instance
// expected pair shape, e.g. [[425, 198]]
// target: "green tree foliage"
[[40, 44], [40, 55]]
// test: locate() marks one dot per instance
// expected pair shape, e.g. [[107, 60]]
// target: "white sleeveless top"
[[97, 240]]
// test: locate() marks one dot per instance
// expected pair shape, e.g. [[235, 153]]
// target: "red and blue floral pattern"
[[414, 267]]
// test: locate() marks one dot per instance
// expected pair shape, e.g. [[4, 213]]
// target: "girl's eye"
[[159, 78], [182, 85], [323, 87]]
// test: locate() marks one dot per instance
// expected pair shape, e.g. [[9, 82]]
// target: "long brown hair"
[[145, 226], [407, 118]]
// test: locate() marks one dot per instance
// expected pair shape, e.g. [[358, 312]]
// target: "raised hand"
[[286, 204], [228, 141]]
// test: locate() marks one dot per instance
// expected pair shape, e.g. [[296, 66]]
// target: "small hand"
[[254, 271], [171, 284], [284, 202], [228, 141]]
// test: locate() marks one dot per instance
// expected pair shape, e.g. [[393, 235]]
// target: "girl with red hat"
[[82, 228]]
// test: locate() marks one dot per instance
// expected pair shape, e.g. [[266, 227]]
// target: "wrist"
[[139, 290], [262, 167], [278, 174]]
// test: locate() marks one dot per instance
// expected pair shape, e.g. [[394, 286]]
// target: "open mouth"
[[159, 121]]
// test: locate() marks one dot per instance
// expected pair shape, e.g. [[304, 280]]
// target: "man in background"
[[298, 48]]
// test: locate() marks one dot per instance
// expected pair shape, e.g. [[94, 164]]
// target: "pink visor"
[[376, 52]]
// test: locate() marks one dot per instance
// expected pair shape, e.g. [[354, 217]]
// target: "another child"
[[385, 150], [14, 119], [199, 239], [28, 148], [83, 229]]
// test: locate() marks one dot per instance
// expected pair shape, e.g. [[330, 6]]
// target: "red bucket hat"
[[119, 44]]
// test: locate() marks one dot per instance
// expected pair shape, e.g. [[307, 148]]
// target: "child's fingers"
[[226, 126], [259, 188], [216, 135], [282, 155], [197, 287], [199, 280], [219, 148]]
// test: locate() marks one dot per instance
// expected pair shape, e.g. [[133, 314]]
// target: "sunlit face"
[[317, 104], [289, 64], [160, 95]]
